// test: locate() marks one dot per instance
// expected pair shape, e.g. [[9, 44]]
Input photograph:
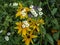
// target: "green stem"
[[41, 39], [48, 5], [49, 8], [45, 42]]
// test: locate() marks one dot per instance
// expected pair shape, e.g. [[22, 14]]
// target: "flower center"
[[35, 29], [28, 36]]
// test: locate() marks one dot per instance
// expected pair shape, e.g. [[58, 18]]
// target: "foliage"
[[49, 32]]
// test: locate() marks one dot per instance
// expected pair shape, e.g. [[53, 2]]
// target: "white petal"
[[23, 12], [40, 13], [34, 12], [8, 33], [1, 31], [6, 38], [39, 9], [15, 4], [25, 22], [35, 15], [10, 4], [23, 26], [31, 6], [27, 25]]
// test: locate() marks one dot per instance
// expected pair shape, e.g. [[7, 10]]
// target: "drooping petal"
[[32, 42], [33, 36]]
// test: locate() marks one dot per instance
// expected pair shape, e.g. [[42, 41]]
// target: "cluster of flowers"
[[30, 20], [7, 35]]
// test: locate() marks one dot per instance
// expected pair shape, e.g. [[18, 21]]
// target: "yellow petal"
[[32, 42], [17, 23], [38, 29], [41, 21], [15, 27], [27, 42], [20, 5], [25, 37], [33, 36], [31, 32], [27, 9], [18, 14], [19, 31], [23, 32]]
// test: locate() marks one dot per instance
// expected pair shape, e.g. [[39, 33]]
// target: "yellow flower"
[[22, 12], [28, 38], [33, 24], [25, 30], [20, 29]]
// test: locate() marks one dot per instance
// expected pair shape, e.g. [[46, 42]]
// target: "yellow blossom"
[[28, 38], [33, 24], [22, 11], [20, 29]]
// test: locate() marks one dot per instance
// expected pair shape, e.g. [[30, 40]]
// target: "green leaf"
[[43, 31], [49, 39], [54, 11], [55, 24], [8, 19], [56, 36]]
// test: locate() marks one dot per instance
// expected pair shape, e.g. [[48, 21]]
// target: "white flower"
[[23, 12], [31, 6], [10, 4], [23, 26], [8, 33], [27, 25], [35, 15], [15, 4], [6, 38], [1, 31], [40, 13], [34, 12], [25, 22], [39, 9]]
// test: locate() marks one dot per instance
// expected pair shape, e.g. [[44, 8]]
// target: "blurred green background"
[[51, 10]]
